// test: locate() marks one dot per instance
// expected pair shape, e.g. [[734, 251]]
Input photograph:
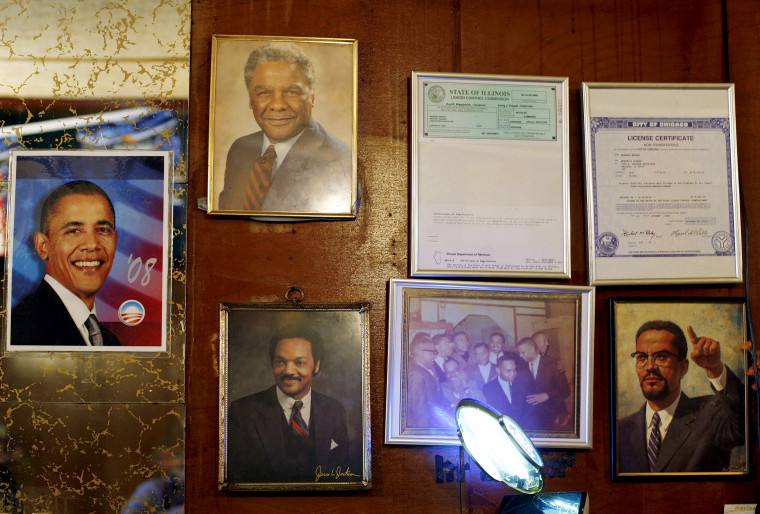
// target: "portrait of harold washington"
[[293, 164], [77, 241], [287, 432]]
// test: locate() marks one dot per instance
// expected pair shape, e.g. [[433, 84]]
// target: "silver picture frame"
[[662, 184], [428, 318], [270, 356], [489, 176]]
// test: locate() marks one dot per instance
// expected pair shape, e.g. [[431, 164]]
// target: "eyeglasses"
[[663, 358]]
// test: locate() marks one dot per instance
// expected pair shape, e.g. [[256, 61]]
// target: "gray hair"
[[273, 52]]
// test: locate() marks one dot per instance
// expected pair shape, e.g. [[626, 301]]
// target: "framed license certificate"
[[662, 184], [489, 176]]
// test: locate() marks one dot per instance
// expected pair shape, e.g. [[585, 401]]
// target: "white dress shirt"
[[76, 307], [281, 149], [286, 402], [666, 414]]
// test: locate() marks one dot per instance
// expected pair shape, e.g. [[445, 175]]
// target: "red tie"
[[258, 179]]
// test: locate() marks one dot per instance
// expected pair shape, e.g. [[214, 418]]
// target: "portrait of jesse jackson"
[[294, 413], [296, 156]]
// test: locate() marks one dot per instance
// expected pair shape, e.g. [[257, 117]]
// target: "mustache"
[[654, 373], [291, 377]]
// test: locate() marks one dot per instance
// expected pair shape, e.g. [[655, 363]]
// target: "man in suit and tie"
[[425, 405], [77, 240], [508, 392], [292, 164], [482, 371], [444, 346], [548, 390], [288, 431], [462, 353], [542, 342], [496, 344], [672, 432]]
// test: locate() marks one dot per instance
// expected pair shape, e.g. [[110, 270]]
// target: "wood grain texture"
[[237, 260]]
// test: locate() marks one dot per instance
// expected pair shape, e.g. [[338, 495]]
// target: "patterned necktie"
[[93, 328], [258, 179], [655, 441], [297, 423]]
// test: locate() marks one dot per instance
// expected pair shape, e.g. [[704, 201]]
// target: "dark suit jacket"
[[700, 437], [474, 373], [256, 440], [440, 373], [42, 319], [496, 398], [424, 400], [550, 381], [315, 175]]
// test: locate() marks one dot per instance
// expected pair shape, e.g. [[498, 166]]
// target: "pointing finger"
[[692, 335]]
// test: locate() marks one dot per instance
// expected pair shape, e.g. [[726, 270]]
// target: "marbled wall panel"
[[80, 430]]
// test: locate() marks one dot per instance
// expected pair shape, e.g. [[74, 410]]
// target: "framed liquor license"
[[661, 183], [679, 394], [490, 176], [282, 136], [526, 351], [294, 397]]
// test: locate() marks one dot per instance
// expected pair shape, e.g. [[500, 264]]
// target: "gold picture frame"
[[299, 95]]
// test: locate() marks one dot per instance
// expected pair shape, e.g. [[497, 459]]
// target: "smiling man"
[[77, 241], [284, 433], [672, 432], [292, 164]]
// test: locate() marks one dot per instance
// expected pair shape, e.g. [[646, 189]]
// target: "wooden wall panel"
[[646, 41], [238, 260]]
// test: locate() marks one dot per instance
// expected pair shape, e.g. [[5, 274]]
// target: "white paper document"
[[490, 177]]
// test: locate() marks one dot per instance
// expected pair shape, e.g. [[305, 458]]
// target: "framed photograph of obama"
[[282, 141], [88, 251], [294, 397], [527, 351], [679, 403]]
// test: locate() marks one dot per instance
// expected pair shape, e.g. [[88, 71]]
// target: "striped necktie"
[[259, 179], [297, 423], [655, 441], [93, 328]]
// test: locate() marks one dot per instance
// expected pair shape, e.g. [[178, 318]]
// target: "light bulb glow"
[[499, 447]]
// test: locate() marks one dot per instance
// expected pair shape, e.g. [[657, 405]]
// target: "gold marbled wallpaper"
[[81, 431]]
